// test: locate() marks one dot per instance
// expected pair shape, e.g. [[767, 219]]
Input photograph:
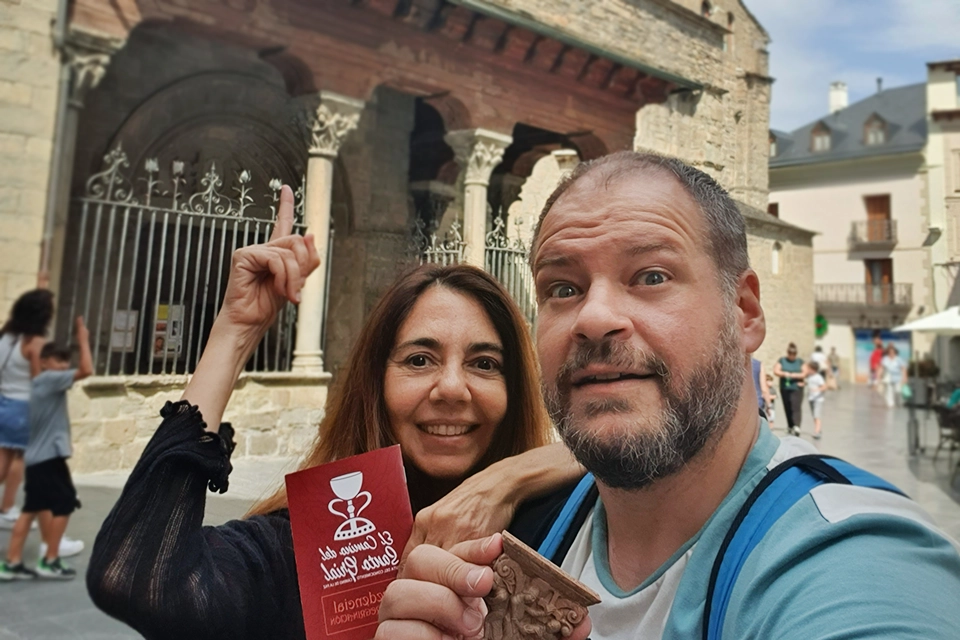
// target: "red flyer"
[[351, 519]]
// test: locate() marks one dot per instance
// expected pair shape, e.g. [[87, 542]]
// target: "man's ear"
[[752, 321]]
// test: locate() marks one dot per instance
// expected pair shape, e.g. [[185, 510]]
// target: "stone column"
[[334, 119], [86, 57], [477, 151]]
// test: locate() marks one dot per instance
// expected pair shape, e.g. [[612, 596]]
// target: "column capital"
[[87, 54], [332, 121], [477, 152]]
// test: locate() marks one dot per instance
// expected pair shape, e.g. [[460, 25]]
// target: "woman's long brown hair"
[[356, 418]]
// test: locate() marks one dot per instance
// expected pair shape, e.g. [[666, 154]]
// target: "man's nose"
[[603, 314], [451, 385]]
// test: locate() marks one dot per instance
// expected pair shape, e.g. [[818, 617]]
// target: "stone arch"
[[238, 120], [454, 112]]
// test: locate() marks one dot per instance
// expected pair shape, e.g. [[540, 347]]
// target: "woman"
[[790, 372], [21, 339], [443, 366]]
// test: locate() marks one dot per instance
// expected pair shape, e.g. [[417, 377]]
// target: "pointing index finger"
[[284, 225]]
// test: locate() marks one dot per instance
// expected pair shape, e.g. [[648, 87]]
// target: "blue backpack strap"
[[567, 515], [780, 489]]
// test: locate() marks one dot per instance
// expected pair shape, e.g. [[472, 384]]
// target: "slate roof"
[[902, 108]]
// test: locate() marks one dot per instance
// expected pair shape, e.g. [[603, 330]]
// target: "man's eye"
[[562, 291], [653, 278]]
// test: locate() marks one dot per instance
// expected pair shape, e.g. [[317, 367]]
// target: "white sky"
[[814, 42]]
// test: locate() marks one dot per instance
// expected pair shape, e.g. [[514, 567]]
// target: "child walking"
[[816, 387], [50, 494]]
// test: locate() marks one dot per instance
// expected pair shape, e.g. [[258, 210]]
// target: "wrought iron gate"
[[148, 269]]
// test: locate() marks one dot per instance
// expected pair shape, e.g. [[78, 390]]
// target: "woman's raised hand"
[[264, 276]]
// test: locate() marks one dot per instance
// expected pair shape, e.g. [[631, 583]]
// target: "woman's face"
[[444, 386]]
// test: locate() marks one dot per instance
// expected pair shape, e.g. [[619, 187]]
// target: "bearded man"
[[648, 314]]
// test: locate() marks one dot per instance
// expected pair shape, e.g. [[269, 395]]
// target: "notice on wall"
[[168, 330], [124, 333]]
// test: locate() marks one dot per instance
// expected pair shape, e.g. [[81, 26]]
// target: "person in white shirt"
[[891, 368], [816, 387]]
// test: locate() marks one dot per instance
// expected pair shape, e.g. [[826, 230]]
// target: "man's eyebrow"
[[642, 249], [552, 261]]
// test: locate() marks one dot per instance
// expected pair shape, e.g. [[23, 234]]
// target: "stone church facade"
[[165, 128]]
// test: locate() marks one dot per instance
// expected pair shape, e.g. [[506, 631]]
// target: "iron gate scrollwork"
[[148, 268]]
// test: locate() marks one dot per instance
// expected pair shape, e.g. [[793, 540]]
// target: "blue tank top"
[[756, 382]]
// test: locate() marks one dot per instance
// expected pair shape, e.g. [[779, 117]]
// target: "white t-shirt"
[[820, 358], [815, 384]]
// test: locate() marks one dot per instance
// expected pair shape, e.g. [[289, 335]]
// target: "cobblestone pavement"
[[857, 427]]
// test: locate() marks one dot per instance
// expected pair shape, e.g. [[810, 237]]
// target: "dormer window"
[[820, 139], [874, 131], [773, 146]]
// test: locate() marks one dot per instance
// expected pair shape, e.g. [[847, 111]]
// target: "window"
[[773, 146], [706, 9], [874, 131], [821, 141], [775, 258], [774, 209]]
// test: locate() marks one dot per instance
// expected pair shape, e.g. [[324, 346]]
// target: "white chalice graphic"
[[347, 488]]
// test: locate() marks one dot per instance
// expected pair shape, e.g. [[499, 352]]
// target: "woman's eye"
[[563, 291], [417, 360], [653, 278], [487, 364]]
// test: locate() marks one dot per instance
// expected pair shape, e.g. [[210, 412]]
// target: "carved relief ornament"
[[478, 152], [330, 128]]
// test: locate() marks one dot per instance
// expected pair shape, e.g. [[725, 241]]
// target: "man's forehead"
[[625, 192]]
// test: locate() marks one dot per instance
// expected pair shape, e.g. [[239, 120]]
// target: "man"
[[648, 312]]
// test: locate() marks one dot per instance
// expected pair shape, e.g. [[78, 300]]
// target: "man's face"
[[641, 352]]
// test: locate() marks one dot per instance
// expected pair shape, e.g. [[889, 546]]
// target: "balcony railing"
[[873, 234], [865, 294]]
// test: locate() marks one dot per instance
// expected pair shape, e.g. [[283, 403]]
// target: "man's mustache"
[[611, 353]]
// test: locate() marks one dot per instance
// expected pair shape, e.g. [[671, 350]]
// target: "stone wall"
[[786, 296], [113, 418], [29, 72]]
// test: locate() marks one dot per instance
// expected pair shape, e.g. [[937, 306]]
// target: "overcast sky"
[[814, 42]]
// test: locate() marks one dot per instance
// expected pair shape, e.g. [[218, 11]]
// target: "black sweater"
[[156, 568]]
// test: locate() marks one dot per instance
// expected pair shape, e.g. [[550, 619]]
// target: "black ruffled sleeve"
[[155, 567]]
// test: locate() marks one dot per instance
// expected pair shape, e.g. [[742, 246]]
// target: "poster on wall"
[[864, 346], [124, 333], [168, 331]]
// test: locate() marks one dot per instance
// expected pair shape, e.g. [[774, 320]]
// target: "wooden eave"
[[945, 115], [521, 39]]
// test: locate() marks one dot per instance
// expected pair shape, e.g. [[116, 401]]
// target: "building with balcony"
[[879, 181]]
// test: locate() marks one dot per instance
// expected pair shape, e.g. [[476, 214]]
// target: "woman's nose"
[[451, 385]]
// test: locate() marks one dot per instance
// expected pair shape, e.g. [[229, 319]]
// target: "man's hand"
[[439, 594]]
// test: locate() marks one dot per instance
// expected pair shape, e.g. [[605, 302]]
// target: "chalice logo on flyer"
[[359, 550]]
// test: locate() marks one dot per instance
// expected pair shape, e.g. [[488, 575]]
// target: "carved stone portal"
[[531, 598]]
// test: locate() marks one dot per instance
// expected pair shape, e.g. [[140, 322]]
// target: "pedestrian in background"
[[21, 339], [50, 494], [790, 371], [875, 357], [762, 384], [892, 375], [834, 359], [772, 402], [816, 388]]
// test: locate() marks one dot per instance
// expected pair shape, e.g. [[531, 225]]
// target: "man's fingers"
[[279, 271], [410, 630], [432, 605], [433, 564], [483, 551], [284, 225]]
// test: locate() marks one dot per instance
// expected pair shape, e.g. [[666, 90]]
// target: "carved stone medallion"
[[531, 598]]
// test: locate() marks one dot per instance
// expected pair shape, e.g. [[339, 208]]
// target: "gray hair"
[[726, 232]]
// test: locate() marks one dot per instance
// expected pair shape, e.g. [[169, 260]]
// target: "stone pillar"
[[477, 151], [334, 119], [86, 56]]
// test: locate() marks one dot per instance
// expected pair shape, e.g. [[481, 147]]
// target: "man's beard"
[[694, 410]]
